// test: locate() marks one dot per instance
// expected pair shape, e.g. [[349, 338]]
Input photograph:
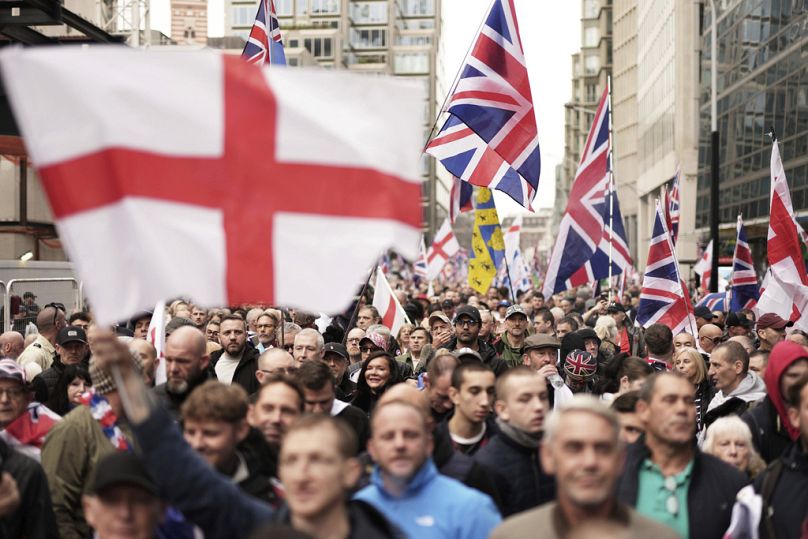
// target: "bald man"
[[448, 461], [744, 341], [187, 362], [148, 356], [274, 362], [710, 336], [38, 356], [11, 344]]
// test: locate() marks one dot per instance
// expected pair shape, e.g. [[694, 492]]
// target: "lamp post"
[[714, 148]]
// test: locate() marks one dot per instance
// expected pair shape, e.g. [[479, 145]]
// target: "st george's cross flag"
[[444, 246], [517, 271], [786, 290], [704, 267], [490, 137], [390, 311], [198, 174], [663, 299]]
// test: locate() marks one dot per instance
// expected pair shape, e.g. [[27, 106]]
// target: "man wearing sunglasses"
[[39, 354], [467, 324], [710, 336], [667, 478]]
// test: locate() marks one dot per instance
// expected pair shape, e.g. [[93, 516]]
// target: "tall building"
[[762, 83], [189, 21], [394, 37], [590, 70]]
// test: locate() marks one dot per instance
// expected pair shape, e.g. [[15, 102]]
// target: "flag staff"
[[611, 182], [510, 281], [352, 320]]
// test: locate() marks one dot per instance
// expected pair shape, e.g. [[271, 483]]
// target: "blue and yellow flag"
[[487, 244]]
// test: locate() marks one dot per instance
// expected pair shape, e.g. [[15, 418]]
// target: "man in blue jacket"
[[407, 488]]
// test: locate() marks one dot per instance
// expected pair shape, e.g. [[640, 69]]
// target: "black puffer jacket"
[[365, 520], [34, 518], [713, 486], [517, 473], [769, 436]]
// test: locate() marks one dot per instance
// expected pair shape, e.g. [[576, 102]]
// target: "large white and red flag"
[[785, 289], [444, 246], [156, 335], [197, 174], [385, 301], [704, 267]]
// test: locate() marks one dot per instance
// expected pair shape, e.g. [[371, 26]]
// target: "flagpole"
[[611, 182], [352, 320], [510, 281]]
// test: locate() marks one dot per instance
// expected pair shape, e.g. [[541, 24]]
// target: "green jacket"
[[69, 456], [508, 353], [427, 354]]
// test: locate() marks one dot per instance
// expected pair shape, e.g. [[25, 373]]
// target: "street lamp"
[[714, 148]]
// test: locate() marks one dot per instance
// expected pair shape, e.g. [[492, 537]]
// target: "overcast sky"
[[550, 35]]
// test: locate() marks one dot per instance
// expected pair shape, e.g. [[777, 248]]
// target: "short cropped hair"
[[571, 321], [460, 371], [580, 403], [235, 318], [634, 368], [314, 375], [646, 392], [347, 443], [545, 314], [215, 401], [659, 339], [289, 382], [626, 403], [735, 352], [504, 378]]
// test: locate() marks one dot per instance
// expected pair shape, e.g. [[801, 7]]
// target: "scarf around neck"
[[525, 439]]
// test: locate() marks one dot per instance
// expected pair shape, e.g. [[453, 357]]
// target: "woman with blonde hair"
[[730, 439], [690, 363], [606, 330]]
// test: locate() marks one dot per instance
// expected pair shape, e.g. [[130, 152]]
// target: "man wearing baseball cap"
[[771, 329], [738, 325], [467, 322], [71, 349], [703, 316], [335, 355], [510, 345], [122, 496]]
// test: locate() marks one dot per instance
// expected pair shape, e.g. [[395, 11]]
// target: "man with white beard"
[[187, 363]]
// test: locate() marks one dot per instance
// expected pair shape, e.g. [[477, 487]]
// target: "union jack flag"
[[745, 291], [581, 252], [420, 265], [265, 46], [673, 205], [460, 198], [717, 301], [490, 138], [664, 299]]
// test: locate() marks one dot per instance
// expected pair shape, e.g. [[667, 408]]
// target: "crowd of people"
[[483, 416]]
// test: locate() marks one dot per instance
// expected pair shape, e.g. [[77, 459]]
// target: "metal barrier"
[[17, 322]]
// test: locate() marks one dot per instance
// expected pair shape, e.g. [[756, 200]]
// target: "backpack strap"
[[773, 474]]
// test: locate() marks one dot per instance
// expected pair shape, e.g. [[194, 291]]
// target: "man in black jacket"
[[467, 323], [34, 516], [71, 349], [512, 456], [665, 472], [187, 363], [783, 484], [237, 361]]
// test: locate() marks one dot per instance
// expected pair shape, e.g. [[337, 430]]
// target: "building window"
[[413, 40], [411, 63], [591, 37], [243, 15], [324, 7], [368, 38], [292, 62], [418, 8], [592, 64], [302, 7], [319, 47], [590, 9], [369, 12], [293, 43], [283, 8], [415, 24]]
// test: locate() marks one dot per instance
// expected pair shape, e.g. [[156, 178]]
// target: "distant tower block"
[[189, 21]]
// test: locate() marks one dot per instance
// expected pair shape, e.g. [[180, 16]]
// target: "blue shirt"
[[434, 506]]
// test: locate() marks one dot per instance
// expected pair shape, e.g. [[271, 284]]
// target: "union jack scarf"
[[102, 412]]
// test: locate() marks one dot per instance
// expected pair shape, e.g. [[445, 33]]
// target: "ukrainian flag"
[[487, 244]]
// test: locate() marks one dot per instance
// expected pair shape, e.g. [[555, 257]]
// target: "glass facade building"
[[762, 83]]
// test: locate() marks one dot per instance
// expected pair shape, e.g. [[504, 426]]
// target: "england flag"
[[385, 301], [444, 246]]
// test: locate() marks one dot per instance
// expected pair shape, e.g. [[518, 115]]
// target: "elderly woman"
[[689, 362], [730, 439], [606, 330]]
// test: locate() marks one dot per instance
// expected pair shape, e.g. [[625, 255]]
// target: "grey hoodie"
[[751, 389]]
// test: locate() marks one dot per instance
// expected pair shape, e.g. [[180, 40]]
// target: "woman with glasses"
[[690, 362], [379, 372]]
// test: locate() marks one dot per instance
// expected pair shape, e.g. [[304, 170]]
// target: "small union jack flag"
[[673, 205], [581, 252], [664, 299], [745, 291], [490, 138], [460, 198], [716, 301], [265, 46]]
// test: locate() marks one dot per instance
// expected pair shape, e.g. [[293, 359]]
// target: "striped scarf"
[[102, 412]]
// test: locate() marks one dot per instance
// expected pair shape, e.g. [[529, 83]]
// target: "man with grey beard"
[[187, 364]]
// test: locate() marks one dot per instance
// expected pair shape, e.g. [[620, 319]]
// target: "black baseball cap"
[[703, 312], [121, 468], [470, 311], [736, 320], [615, 307], [335, 348], [71, 334]]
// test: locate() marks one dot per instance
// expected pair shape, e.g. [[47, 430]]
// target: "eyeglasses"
[[466, 322], [12, 392], [369, 349], [281, 370], [354, 340], [714, 340]]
